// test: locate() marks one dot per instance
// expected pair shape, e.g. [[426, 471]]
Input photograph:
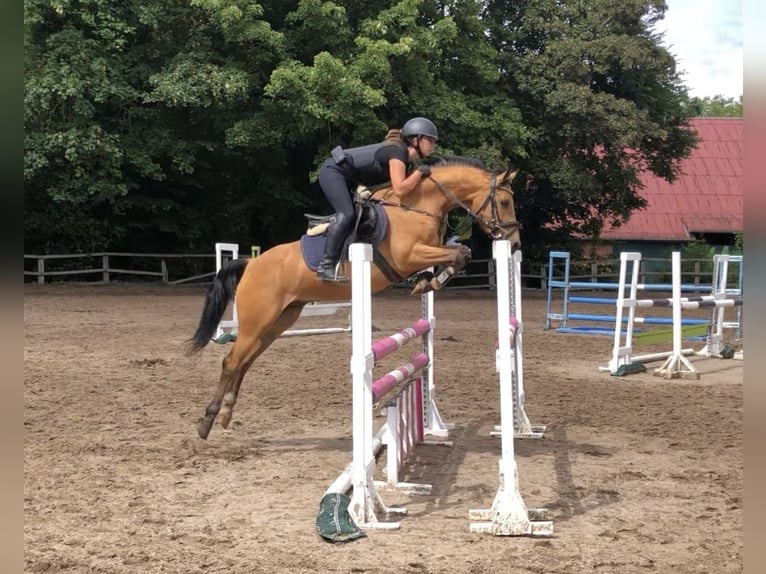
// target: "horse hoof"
[[203, 427], [224, 419], [420, 287]]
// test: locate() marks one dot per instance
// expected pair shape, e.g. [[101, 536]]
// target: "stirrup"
[[331, 274]]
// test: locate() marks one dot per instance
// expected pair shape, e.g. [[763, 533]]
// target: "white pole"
[[361, 376], [433, 424], [508, 470]]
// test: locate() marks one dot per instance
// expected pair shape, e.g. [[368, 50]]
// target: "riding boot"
[[332, 249]]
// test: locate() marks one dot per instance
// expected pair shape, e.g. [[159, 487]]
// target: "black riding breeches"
[[335, 187]]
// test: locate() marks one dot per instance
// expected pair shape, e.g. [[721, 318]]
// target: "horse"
[[271, 290]]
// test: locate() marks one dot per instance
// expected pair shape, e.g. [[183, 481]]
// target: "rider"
[[371, 165]]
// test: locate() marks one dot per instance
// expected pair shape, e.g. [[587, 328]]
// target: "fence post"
[[41, 271], [594, 272], [164, 270], [105, 268]]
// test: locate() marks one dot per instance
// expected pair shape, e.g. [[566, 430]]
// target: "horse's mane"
[[440, 160]]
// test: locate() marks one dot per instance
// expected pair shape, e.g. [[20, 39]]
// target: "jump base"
[[532, 431], [406, 487], [536, 523]]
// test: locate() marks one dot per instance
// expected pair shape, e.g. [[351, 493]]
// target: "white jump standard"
[[410, 415], [508, 515], [522, 428], [676, 364]]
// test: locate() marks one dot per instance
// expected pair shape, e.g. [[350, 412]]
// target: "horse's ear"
[[509, 175]]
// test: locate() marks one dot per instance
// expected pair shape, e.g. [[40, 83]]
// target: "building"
[[705, 202]]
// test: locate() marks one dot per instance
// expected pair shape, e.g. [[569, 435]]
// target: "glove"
[[425, 171]]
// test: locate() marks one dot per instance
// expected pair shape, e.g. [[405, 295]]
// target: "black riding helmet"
[[419, 127]]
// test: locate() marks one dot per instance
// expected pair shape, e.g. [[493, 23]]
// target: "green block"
[[631, 369], [663, 335]]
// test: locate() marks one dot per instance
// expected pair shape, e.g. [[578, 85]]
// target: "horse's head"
[[486, 196]]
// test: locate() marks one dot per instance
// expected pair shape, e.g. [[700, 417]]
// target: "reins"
[[493, 223]]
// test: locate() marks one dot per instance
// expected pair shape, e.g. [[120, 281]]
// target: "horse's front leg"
[[449, 261]]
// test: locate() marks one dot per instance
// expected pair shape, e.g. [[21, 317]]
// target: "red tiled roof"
[[707, 196]]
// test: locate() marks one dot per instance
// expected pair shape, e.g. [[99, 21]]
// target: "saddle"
[[368, 214], [371, 226]]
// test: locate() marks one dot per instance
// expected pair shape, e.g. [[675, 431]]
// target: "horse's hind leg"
[[286, 320], [250, 344]]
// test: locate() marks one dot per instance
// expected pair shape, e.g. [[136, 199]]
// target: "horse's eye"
[[505, 203]]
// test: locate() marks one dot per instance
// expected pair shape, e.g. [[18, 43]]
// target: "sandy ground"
[[639, 474]]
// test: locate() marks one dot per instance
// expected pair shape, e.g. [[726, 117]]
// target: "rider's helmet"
[[419, 127]]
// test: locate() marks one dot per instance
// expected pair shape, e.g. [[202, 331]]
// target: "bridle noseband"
[[494, 224]]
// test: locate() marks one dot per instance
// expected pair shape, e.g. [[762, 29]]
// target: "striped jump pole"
[[508, 515], [623, 360], [410, 414], [676, 365]]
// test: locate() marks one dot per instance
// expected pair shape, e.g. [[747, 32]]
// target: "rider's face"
[[427, 145]]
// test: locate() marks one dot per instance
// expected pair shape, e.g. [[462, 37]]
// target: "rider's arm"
[[401, 183]]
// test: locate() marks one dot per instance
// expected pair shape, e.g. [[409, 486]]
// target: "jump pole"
[[508, 515], [567, 285], [715, 346]]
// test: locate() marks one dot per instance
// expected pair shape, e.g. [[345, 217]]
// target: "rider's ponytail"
[[394, 135]]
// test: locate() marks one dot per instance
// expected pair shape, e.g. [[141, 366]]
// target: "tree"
[[127, 107], [172, 124], [602, 101], [717, 107]]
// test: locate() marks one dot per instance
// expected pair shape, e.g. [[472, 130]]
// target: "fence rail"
[[181, 268], [42, 268]]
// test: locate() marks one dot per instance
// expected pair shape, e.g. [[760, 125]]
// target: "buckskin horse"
[[271, 290]]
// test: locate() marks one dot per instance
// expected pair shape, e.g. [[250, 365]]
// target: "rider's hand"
[[425, 171]]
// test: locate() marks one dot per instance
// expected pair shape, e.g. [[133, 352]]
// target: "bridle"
[[494, 224]]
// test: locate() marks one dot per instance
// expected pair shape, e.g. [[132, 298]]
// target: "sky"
[[705, 36]]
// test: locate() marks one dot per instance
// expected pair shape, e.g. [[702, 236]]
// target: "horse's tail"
[[218, 296]]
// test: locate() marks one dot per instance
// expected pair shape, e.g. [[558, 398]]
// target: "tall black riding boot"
[[335, 237]]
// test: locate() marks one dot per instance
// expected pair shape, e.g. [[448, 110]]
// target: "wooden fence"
[[176, 269], [104, 265]]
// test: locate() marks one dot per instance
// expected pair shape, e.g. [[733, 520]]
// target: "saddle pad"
[[312, 249]]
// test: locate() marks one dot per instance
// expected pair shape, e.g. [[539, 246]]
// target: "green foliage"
[[601, 101], [697, 249], [697, 257], [170, 125], [717, 107]]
